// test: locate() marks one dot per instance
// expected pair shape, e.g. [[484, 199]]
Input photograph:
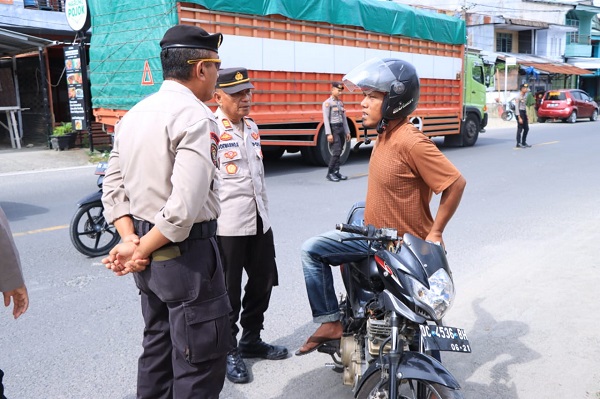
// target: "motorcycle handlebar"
[[351, 228], [369, 232]]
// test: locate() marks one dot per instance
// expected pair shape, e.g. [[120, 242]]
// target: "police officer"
[[244, 229], [522, 119], [336, 129], [159, 193]]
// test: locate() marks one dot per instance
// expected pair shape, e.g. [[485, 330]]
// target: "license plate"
[[445, 338], [552, 105]]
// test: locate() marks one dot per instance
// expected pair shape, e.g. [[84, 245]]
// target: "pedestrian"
[[522, 119], [336, 129], [244, 229], [159, 192], [405, 169], [12, 284]]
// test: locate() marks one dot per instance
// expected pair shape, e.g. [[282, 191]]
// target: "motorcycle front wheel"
[[90, 234], [376, 388]]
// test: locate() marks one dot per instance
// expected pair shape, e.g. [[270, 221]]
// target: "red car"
[[568, 105]]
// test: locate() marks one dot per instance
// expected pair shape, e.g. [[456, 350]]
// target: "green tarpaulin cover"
[[126, 34]]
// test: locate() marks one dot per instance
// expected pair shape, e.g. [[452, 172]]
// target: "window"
[[504, 42], [555, 96], [478, 74]]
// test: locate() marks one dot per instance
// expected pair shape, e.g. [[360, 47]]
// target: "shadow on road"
[[19, 211], [485, 364]]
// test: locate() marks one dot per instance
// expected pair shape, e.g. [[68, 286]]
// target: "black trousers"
[[1, 386], [186, 334], [522, 127], [339, 137], [256, 255]]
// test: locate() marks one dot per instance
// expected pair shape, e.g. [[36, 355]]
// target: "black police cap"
[[233, 80], [188, 36], [337, 85]]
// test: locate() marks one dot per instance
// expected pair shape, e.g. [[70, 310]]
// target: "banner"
[[76, 85]]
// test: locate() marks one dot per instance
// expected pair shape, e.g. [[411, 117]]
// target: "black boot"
[[332, 177], [340, 176], [236, 368], [251, 346]]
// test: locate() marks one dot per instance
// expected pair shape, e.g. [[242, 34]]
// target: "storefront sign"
[[76, 80], [77, 14]]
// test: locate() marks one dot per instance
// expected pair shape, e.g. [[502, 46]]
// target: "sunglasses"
[[216, 61]]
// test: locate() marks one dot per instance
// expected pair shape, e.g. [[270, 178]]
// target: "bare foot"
[[326, 332]]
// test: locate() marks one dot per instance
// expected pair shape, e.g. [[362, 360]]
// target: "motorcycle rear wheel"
[[90, 234], [507, 115], [375, 388]]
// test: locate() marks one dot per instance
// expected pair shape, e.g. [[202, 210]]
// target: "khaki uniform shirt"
[[11, 276], [334, 112], [163, 163], [241, 178]]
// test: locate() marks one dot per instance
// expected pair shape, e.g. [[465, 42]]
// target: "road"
[[523, 248]]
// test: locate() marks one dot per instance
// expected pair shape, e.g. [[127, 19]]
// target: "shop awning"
[[13, 43], [561, 68], [545, 65]]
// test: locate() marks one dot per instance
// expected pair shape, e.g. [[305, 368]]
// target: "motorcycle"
[[90, 233], [392, 316], [506, 114]]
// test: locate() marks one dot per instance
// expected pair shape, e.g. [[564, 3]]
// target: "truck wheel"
[[322, 152], [469, 131]]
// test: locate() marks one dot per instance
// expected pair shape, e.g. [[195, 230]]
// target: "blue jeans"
[[318, 253]]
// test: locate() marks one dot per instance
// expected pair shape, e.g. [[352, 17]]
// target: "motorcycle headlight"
[[439, 298]]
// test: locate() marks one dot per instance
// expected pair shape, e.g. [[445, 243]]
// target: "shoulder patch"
[[214, 147], [247, 122]]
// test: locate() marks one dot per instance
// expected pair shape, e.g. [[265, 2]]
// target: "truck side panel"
[[292, 63]]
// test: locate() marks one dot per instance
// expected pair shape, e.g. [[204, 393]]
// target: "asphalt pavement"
[[39, 157]]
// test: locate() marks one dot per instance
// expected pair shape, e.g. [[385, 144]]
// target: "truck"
[[293, 50]]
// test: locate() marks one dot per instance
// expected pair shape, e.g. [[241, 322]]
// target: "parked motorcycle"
[[392, 316], [506, 113], [90, 233]]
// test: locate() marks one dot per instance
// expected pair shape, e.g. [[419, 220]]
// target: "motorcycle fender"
[[97, 196], [416, 366]]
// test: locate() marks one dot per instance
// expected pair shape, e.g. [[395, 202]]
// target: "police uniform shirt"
[[163, 163], [522, 102], [333, 112], [241, 178]]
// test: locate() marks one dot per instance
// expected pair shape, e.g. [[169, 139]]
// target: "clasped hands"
[[126, 258]]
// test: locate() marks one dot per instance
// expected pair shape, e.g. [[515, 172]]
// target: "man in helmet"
[[405, 169]]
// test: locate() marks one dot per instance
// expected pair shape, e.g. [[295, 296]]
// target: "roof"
[[14, 43], [546, 65]]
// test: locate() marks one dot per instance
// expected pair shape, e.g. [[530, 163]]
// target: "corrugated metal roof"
[[525, 22], [546, 65], [13, 43], [562, 68]]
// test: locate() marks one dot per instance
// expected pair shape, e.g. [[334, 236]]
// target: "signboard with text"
[[75, 71]]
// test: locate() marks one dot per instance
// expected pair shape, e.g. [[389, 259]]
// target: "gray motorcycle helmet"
[[396, 78]]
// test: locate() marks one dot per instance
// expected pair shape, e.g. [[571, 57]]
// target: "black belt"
[[337, 124], [199, 230]]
